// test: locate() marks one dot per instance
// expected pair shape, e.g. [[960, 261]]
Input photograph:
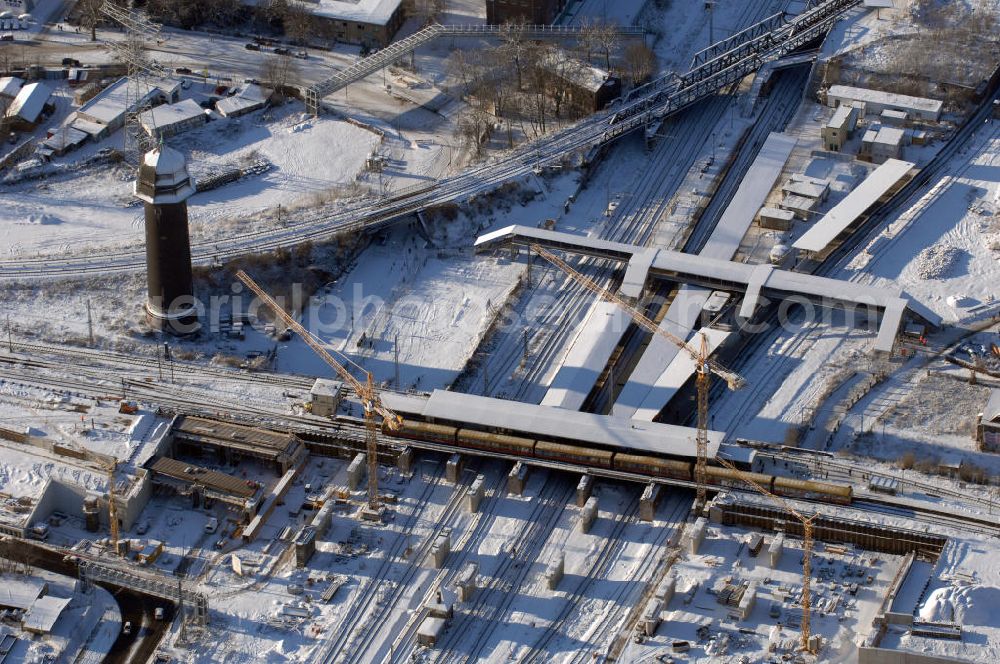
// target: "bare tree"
[[279, 72], [590, 41], [608, 39], [298, 22], [640, 62], [90, 14], [515, 46]]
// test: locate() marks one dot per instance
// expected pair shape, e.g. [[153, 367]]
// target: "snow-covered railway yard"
[[439, 444]]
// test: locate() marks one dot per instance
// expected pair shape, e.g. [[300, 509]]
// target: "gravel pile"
[[937, 261]]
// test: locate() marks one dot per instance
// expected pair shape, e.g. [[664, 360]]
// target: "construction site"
[[469, 331]]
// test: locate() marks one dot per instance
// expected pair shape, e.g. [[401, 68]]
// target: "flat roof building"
[[840, 127], [106, 111], [249, 98], [371, 23], [877, 101]]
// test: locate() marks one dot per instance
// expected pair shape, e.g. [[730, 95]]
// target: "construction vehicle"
[[807, 545], [365, 390], [704, 366]]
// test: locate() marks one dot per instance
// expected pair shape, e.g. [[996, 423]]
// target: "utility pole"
[[710, 6], [10, 339], [90, 323], [395, 348], [159, 365]]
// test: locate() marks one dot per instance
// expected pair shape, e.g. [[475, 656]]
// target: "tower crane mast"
[[365, 390], [705, 366]]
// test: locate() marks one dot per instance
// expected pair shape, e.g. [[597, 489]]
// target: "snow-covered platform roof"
[[551, 423], [728, 275], [847, 211]]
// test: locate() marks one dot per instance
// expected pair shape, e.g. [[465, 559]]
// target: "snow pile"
[[43, 219], [964, 605], [937, 261]]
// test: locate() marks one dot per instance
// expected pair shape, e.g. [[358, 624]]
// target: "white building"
[[877, 101], [27, 107], [106, 112], [247, 100]]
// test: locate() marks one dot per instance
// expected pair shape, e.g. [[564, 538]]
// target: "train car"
[[573, 454], [728, 477], [434, 433], [647, 465], [838, 493], [496, 442]]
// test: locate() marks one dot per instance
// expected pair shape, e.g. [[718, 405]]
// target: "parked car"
[[281, 50], [183, 70], [70, 62], [158, 613], [252, 47], [301, 55]]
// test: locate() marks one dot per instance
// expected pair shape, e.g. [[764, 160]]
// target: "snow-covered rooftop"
[[170, 114], [30, 101], [377, 12], [9, 85], [44, 613], [842, 215], [886, 98]]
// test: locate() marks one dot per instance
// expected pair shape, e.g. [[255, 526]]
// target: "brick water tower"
[[165, 185]]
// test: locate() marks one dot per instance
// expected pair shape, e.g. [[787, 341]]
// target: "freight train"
[[595, 457]]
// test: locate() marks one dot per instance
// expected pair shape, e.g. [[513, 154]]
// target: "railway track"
[[491, 604]]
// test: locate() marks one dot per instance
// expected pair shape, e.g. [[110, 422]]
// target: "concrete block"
[[466, 582], [440, 549], [453, 470], [647, 502], [474, 495], [697, 535], [775, 549], [555, 571], [588, 514], [665, 592], [651, 617], [583, 490], [517, 478], [356, 470]]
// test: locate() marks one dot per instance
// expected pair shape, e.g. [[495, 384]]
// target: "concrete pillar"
[[475, 494], [404, 462], [465, 583], [441, 548], [453, 470], [647, 503], [555, 571], [774, 551], [517, 478], [588, 514], [583, 490], [651, 617], [665, 592], [356, 470], [697, 534], [715, 512]]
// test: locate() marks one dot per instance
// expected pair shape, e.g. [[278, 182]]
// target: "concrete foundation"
[[516, 479], [453, 469], [583, 490], [648, 501], [356, 471], [651, 617], [475, 494]]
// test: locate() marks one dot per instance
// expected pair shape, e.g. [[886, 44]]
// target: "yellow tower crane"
[[705, 366], [365, 390], [112, 507], [807, 545]]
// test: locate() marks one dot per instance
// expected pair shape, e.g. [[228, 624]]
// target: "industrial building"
[[172, 119], [371, 23], [876, 101], [535, 12], [880, 144], [587, 88], [988, 424], [105, 112], [231, 441], [840, 127]]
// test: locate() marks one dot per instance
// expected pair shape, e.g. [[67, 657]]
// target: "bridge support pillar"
[[453, 469], [583, 490], [647, 503], [404, 462], [588, 514], [356, 470], [476, 492], [516, 479]]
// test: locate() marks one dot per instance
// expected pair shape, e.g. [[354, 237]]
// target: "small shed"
[[9, 87], [802, 207], [325, 397], [775, 218], [250, 98], [25, 112], [840, 127], [430, 631], [43, 614]]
